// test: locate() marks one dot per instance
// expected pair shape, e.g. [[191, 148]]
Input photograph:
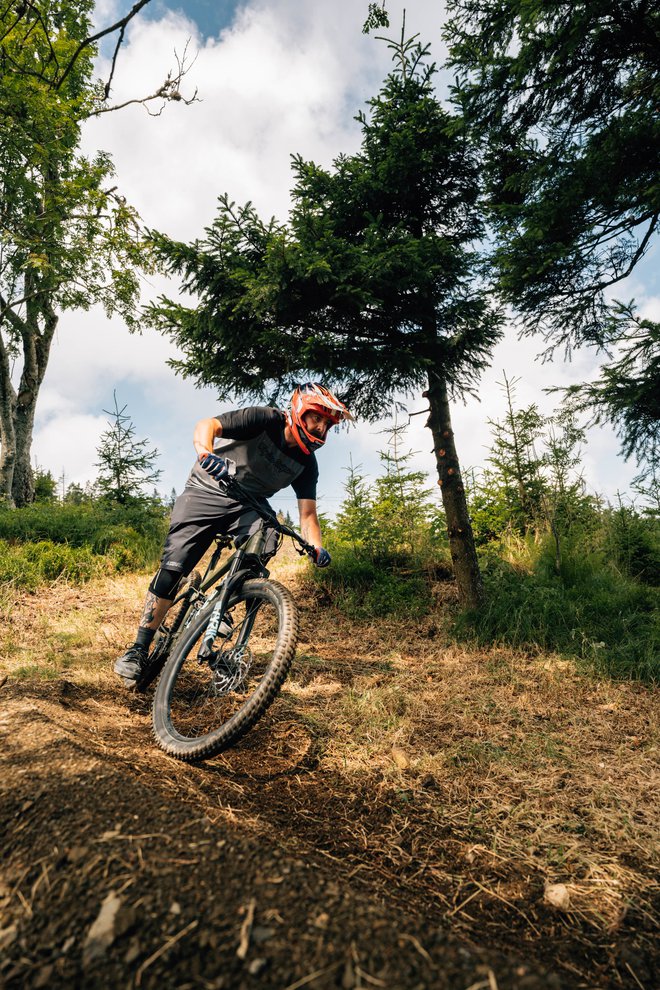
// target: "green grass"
[[589, 611], [43, 543], [370, 590], [101, 527]]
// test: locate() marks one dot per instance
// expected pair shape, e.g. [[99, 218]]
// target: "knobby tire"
[[190, 721]]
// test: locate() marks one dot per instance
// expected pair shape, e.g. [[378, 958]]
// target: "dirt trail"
[[282, 864]]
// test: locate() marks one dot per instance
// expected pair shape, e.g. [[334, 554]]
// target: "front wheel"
[[203, 707]]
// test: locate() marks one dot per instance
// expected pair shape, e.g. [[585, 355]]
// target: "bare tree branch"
[[168, 91], [117, 26]]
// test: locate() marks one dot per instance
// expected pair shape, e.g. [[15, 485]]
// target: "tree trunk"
[[22, 488], [459, 529], [7, 431], [36, 332]]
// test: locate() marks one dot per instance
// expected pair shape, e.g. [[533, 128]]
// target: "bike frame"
[[229, 575]]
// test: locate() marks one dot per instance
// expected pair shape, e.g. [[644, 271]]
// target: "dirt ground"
[[408, 815]]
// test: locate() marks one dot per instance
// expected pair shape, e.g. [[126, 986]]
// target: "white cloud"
[[650, 310], [65, 443]]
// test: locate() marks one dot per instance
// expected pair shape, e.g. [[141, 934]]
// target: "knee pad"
[[165, 583]]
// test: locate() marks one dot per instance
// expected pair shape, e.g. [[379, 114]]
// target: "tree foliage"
[[126, 464], [68, 240], [565, 99], [385, 547], [532, 483], [627, 392], [370, 284]]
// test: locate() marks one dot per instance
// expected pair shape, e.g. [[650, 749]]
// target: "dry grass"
[[542, 774], [473, 779]]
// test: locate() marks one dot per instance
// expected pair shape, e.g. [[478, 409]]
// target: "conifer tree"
[[372, 285], [564, 99], [515, 460], [127, 466]]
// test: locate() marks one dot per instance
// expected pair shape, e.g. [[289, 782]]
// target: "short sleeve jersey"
[[253, 439]]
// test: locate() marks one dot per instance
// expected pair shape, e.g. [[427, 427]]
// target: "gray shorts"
[[197, 517]]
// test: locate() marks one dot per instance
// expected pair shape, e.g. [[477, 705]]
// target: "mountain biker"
[[266, 450]]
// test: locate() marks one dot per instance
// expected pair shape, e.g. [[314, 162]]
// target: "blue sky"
[[274, 77], [210, 16]]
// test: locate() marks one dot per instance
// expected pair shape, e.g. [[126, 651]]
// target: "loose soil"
[[409, 814]]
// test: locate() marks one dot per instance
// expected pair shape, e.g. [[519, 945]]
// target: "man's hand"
[[321, 557], [214, 465]]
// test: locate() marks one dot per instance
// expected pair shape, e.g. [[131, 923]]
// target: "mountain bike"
[[226, 653]]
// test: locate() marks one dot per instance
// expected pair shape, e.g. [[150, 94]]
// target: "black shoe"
[[131, 665]]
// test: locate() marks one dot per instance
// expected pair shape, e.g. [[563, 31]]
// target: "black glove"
[[321, 557], [214, 465]]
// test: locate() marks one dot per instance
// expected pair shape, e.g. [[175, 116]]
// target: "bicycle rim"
[[201, 708]]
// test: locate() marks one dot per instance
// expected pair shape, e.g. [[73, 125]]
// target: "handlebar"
[[233, 488]]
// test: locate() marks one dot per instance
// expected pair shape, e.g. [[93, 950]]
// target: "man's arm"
[[206, 431], [309, 521]]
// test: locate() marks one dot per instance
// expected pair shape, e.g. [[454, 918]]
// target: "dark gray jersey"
[[253, 439]]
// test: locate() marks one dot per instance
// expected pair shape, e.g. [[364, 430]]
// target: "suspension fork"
[[245, 563], [206, 647]]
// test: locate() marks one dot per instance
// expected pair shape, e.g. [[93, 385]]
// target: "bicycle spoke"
[[209, 693]]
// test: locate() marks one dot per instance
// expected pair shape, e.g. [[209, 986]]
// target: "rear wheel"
[[201, 708]]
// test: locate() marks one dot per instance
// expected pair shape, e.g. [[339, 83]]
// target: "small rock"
[[261, 934], [175, 907], [401, 758], [557, 895], [76, 853], [101, 935]]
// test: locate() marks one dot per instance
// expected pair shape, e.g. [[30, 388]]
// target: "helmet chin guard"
[[312, 397]]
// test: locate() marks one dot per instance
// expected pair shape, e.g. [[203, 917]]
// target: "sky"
[[273, 78]]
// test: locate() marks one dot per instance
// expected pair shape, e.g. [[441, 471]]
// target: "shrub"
[[41, 542], [633, 542], [98, 526], [588, 610]]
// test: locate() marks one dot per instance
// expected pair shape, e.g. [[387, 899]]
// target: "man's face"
[[316, 424]]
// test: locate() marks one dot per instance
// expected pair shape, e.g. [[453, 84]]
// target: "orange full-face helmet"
[[312, 397]]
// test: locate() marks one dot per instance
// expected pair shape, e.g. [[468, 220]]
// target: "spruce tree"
[[126, 465], [564, 99], [372, 285]]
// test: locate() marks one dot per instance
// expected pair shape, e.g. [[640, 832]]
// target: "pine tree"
[[45, 486], [514, 459], [355, 519], [564, 99], [373, 285], [401, 504], [126, 465]]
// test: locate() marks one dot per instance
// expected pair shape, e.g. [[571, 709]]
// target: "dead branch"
[[168, 91]]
